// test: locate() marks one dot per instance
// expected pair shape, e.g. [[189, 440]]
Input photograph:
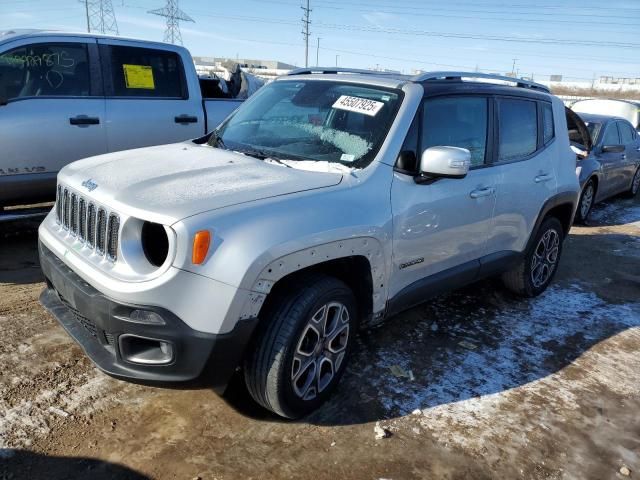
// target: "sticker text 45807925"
[[359, 105]]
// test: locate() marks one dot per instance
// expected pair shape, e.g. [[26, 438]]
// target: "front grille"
[[91, 224]]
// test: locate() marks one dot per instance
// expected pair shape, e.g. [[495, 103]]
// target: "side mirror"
[[613, 149], [444, 162]]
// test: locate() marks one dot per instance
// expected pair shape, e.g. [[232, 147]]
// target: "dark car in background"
[[611, 165]]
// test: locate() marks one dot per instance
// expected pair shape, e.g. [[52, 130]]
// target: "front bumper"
[[99, 324]]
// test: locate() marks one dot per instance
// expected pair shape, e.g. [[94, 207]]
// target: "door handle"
[[544, 177], [84, 120], [482, 192], [624, 156], [186, 119]]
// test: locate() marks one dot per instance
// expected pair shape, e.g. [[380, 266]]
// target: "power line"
[[305, 32], [100, 16], [173, 15]]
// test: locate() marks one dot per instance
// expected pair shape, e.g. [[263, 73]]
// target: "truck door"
[[149, 100], [53, 112]]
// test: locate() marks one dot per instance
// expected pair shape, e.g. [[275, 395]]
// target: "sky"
[[579, 39]]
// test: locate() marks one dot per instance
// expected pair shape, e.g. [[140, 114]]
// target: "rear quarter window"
[[548, 130]]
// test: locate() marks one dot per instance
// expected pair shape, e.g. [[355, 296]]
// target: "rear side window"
[[518, 125], [611, 135], [547, 123], [45, 70], [144, 72], [456, 122], [627, 135]]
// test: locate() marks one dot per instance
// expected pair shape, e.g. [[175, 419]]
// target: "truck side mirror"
[[444, 162]]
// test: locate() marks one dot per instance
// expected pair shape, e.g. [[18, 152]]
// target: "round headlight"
[[155, 243]]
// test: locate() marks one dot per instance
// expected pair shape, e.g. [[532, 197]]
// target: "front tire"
[[303, 347], [535, 271], [587, 199]]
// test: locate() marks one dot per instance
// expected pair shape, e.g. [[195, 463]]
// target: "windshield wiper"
[[262, 155]]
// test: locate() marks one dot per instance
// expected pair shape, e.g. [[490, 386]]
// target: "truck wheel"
[[302, 350], [586, 202], [536, 270], [635, 185]]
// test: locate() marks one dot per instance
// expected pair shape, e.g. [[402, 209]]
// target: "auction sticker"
[[138, 76], [359, 105]]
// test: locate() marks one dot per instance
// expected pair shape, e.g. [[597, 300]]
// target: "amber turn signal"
[[201, 242]]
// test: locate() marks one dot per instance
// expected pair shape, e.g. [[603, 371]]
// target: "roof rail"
[[336, 70], [460, 75]]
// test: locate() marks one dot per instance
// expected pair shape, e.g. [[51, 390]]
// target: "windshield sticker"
[[347, 157], [358, 105], [138, 76]]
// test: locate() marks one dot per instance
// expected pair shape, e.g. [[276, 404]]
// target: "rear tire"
[[303, 346], [535, 271], [635, 185], [587, 199]]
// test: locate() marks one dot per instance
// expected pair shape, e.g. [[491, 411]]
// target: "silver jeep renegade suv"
[[330, 200]]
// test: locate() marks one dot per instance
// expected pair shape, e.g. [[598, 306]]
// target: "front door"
[[613, 163], [442, 227], [54, 112]]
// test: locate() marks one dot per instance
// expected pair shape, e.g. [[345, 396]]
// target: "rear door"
[[148, 97], [525, 167], [54, 112]]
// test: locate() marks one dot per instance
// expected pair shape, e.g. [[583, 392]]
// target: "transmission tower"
[[305, 32], [100, 16], [174, 15]]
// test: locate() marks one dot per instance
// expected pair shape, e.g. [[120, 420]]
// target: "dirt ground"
[[476, 384]]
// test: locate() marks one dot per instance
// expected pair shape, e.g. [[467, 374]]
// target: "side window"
[[456, 122], [627, 134], [45, 70], [547, 123], [518, 129], [144, 72], [611, 135]]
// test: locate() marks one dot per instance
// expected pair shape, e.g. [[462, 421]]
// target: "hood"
[[167, 183]]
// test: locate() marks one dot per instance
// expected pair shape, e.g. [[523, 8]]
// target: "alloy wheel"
[[320, 350], [545, 257]]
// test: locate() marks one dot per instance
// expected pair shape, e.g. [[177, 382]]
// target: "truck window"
[[518, 124], [145, 72], [456, 122], [45, 70]]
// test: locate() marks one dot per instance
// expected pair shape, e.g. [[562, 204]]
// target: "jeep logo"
[[90, 185]]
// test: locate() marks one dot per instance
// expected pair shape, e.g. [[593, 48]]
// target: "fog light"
[[146, 316], [146, 351]]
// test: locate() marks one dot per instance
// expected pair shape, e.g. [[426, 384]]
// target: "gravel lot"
[[476, 384]]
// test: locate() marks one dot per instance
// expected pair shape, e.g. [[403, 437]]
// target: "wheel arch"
[[358, 262], [561, 206]]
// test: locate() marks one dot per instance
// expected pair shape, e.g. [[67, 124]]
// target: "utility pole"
[[513, 68], [173, 15], [318, 52], [305, 32], [100, 16], [337, 56]]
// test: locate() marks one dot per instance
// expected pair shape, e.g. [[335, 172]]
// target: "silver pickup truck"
[[67, 96]]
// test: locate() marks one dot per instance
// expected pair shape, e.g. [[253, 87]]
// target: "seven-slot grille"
[[89, 222]]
